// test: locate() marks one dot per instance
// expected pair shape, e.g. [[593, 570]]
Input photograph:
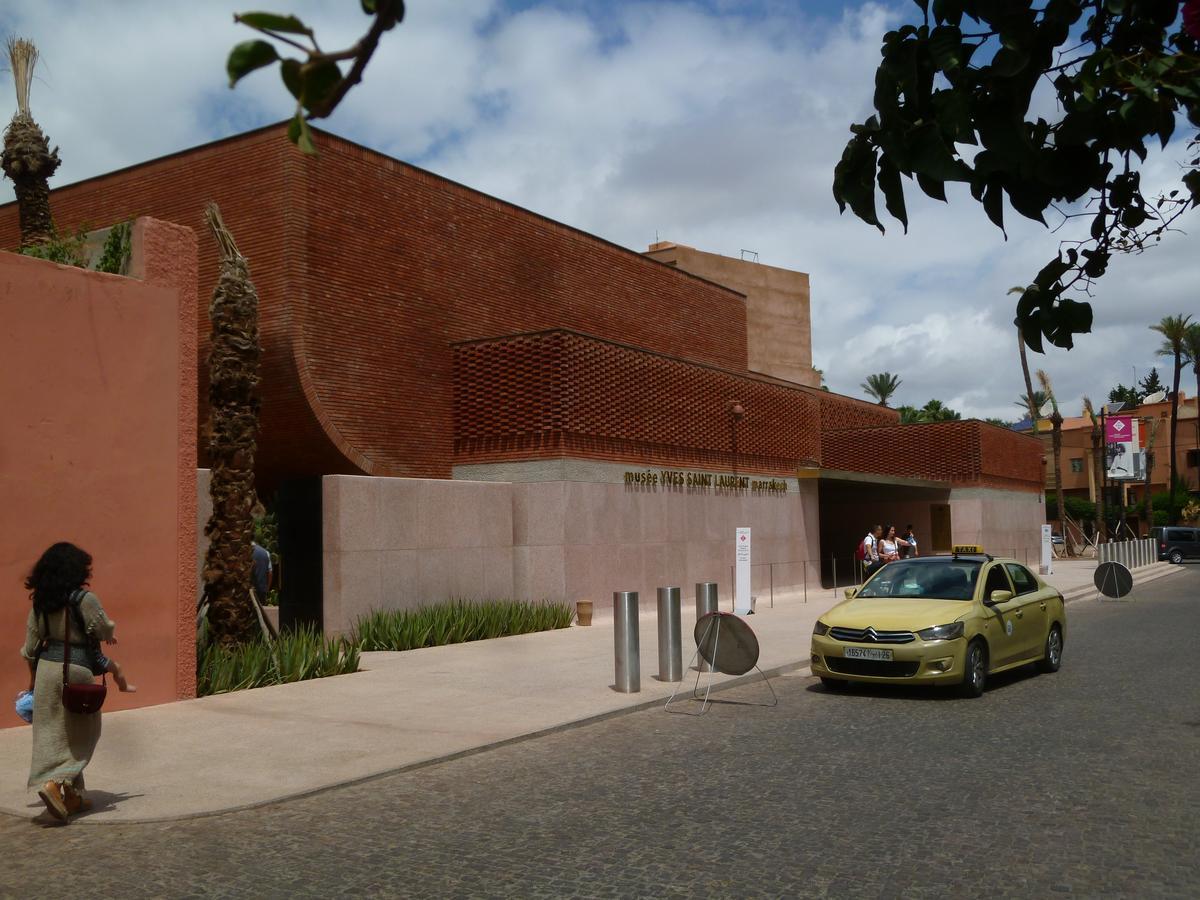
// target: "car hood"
[[895, 613]]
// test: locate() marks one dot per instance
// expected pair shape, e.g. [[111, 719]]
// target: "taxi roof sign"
[[968, 549]]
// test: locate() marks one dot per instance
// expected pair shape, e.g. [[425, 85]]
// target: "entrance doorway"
[[939, 526]]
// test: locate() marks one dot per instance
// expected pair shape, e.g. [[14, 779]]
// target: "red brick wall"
[[367, 269], [561, 393], [965, 452]]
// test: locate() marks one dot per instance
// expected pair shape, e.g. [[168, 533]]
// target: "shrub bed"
[[456, 623], [298, 654]]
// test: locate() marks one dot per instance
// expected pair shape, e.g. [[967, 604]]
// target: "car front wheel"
[[1175, 556], [975, 670], [1053, 655]]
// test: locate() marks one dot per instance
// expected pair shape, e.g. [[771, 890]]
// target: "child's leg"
[[114, 669]]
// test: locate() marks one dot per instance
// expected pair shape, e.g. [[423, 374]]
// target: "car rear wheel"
[[832, 684], [975, 670], [1175, 556], [1052, 658]]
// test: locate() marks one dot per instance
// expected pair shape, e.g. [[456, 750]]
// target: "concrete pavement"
[[216, 754]]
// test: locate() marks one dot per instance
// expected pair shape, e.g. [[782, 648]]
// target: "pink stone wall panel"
[[98, 448]]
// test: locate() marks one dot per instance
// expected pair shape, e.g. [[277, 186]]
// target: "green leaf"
[[248, 56], [932, 187], [1192, 182], [273, 22], [318, 82], [289, 71], [893, 191], [368, 6], [993, 204], [945, 45], [300, 135], [1009, 61], [930, 155]]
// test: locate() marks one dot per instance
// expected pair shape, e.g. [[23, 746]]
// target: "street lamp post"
[[736, 413]]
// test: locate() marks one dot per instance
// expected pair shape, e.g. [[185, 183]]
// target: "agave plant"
[[27, 158]]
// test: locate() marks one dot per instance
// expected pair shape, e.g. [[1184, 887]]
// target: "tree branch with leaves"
[[316, 81], [953, 99]]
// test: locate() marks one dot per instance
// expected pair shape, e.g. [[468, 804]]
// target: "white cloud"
[[716, 125]]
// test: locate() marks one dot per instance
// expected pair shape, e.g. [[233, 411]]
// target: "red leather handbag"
[[84, 699]]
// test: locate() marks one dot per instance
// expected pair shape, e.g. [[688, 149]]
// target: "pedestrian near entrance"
[[889, 545], [908, 544], [870, 544], [63, 741], [261, 571]]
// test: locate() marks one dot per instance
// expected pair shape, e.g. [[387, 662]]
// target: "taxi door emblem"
[[1008, 626]]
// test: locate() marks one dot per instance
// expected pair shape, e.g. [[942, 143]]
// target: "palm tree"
[[881, 386], [233, 400], [1174, 331], [1191, 348], [27, 158], [1056, 421], [936, 411], [1039, 400], [1101, 523], [1030, 405]]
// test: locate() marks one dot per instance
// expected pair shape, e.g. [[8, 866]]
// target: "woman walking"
[[63, 741]]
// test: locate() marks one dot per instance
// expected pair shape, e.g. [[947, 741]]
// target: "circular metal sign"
[[726, 643], [1113, 579]]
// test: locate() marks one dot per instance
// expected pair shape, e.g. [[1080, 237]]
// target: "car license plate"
[[866, 653]]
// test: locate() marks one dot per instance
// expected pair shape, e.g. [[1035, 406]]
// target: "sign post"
[[1047, 566], [741, 592]]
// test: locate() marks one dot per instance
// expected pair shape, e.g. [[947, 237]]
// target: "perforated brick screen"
[[561, 392]]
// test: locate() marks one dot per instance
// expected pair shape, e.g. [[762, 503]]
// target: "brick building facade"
[[413, 327]]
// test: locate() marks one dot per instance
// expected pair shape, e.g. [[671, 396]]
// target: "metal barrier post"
[[706, 602], [834, 560], [670, 645], [626, 643]]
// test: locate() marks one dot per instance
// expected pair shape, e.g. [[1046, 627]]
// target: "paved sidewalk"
[[232, 751]]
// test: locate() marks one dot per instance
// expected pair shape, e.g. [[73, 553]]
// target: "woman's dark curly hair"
[[62, 569]]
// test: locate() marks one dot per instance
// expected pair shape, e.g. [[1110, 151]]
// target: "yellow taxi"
[[949, 620]]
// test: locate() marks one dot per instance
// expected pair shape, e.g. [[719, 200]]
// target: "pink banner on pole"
[[1118, 429]]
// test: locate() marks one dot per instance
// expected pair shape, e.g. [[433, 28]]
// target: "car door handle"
[[1020, 613], [1043, 605]]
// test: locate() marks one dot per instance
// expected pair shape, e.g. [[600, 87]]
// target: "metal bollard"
[[706, 602], [626, 643], [670, 642]]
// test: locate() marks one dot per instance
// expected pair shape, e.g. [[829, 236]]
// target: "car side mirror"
[[999, 597], [851, 593]]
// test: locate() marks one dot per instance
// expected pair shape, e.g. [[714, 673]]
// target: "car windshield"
[[949, 579]]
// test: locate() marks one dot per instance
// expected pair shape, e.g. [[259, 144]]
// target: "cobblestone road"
[[1083, 783]]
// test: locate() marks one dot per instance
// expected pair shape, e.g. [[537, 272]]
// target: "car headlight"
[[942, 632], [820, 627]]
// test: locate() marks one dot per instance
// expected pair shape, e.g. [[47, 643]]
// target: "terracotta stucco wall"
[[97, 447]]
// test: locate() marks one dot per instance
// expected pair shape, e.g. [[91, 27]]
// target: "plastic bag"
[[24, 705]]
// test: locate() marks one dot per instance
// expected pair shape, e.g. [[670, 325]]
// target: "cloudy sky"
[[714, 123]]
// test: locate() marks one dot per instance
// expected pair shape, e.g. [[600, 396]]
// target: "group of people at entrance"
[[881, 547]]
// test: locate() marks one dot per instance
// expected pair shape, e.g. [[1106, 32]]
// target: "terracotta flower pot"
[[583, 612]]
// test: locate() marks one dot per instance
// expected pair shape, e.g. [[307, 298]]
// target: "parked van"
[[1177, 544]]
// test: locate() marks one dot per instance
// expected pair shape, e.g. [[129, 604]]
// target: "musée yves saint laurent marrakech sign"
[[675, 479]]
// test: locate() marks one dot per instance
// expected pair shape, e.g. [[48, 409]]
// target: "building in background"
[[463, 397]]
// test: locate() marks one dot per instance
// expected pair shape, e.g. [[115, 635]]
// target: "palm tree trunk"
[[27, 158], [1172, 506], [233, 401], [1033, 413], [1058, 488]]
